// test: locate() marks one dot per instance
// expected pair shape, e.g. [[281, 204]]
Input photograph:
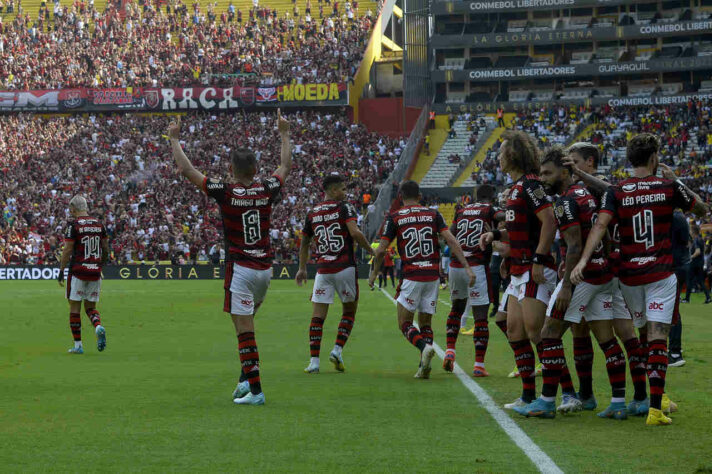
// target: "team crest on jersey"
[[539, 193], [239, 191], [559, 211], [629, 188]]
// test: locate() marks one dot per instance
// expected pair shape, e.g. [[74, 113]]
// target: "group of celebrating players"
[[615, 277]]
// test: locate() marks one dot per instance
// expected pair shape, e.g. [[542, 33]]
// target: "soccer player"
[[467, 226], [530, 229], [332, 224], [246, 207], [86, 250], [417, 228], [591, 300], [583, 158], [644, 206], [388, 269], [697, 263]]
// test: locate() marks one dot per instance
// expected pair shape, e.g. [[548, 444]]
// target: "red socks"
[[583, 359], [657, 368], [615, 365], [315, 332], [637, 363], [75, 324], [94, 317], [524, 357], [345, 327], [481, 339], [452, 328], [427, 333], [250, 360], [413, 335]]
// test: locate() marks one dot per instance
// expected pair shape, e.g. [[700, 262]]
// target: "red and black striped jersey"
[[644, 207], [86, 233], [246, 213], [526, 199], [417, 229], [578, 207], [334, 244], [469, 223]]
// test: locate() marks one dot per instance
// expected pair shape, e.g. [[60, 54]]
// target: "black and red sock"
[[637, 361], [345, 327], [553, 361], [524, 358], [481, 339], [502, 325], [567, 384], [75, 324], [316, 329], [413, 335], [427, 333], [250, 360], [583, 360], [657, 369], [94, 317], [615, 365], [452, 328]]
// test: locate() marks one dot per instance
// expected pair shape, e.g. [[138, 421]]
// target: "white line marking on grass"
[[540, 459]]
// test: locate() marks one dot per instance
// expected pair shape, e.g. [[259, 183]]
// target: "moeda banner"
[[493, 40], [446, 7], [172, 99]]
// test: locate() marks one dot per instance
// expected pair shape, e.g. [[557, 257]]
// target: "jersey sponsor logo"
[[643, 260], [608, 305], [582, 308], [629, 188], [655, 306], [432, 303], [346, 293], [319, 291], [474, 294], [410, 301], [213, 185], [580, 192], [455, 292], [246, 302]]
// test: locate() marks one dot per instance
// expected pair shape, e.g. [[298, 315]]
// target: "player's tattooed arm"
[[184, 165], [64, 260], [285, 165], [700, 208], [572, 236], [358, 236], [598, 231], [597, 184], [301, 276]]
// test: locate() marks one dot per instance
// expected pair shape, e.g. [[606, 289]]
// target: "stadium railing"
[[374, 218]]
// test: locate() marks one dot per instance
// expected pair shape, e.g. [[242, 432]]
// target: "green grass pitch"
[[158, 399]]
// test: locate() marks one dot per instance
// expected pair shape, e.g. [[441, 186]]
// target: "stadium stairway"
[[441, 172], [438, 135], [465, 178]]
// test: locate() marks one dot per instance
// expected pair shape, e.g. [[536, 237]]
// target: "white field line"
[[540, 459]]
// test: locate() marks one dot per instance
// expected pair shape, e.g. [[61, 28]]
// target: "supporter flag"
[[266, 94]]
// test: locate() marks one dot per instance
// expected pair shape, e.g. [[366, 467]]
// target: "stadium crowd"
[[175, 45], [122, 164]]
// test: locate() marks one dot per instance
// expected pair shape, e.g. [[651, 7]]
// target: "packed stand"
[[179, 45], [123, 166]]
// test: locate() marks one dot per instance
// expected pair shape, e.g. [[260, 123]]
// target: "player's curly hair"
[[486, 192], [521, 152], [641, 148], [555, 155]]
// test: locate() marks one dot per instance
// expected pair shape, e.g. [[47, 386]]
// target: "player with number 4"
[[246, 208], [644, 206]]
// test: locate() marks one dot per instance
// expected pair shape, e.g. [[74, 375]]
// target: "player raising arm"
[[246, 208], [416, 229], [86, 250], [644, 206], [333, 224]]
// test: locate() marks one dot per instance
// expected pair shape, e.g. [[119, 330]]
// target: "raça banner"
[[173, 99]]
